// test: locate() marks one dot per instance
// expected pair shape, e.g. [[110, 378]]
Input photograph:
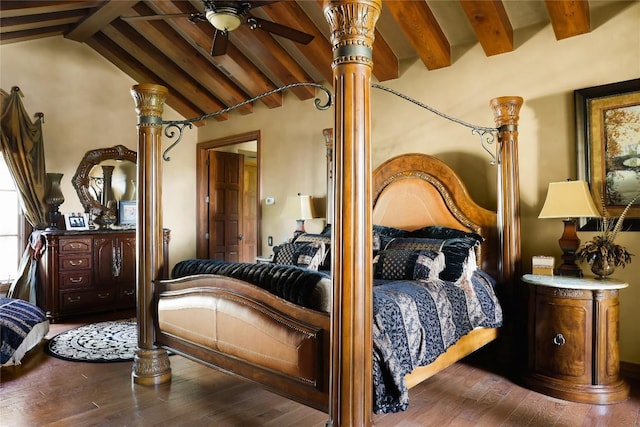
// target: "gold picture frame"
[[608, 147]]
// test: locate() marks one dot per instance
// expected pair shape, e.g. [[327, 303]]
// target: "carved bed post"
[[151, 364], [352, 24], [505, 111]]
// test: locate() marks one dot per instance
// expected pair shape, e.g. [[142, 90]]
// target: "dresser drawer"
[[75, 279], [75, 262], [75, 244], [81, 299]]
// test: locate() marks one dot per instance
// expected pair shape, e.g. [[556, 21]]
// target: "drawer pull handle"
[[559, 340], [103, 296], [129, 293], [75, 279], [75, 263], [72, 299]]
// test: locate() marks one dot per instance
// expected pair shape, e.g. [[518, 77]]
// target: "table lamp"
[[301, 208], [569, 200]]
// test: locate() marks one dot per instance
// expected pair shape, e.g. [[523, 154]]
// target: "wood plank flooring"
[[45, 391]]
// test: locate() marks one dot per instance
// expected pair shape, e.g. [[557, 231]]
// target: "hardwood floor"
[[45, 391]]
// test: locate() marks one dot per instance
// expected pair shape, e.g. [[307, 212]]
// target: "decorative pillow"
[[439, 232], [408, 265], [318, 238], [382, 235], [459, 254], [308, 255]]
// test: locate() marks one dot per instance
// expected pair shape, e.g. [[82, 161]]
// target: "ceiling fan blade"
[[156, 17], [220, 39], [280, 30]]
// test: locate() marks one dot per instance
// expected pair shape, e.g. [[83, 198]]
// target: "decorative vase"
[[107, 190], [602, 268], [54, 198]]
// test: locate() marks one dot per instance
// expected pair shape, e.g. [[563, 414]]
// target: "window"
[[10, 216]]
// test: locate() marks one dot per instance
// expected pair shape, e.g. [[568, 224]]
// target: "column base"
[[151, 367]]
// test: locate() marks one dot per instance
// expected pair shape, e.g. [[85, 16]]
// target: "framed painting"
[[128, 213], [608, 148]]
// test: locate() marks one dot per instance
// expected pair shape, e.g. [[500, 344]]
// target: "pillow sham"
[[459, 253], [314, 238], [402, 264], [308, 255]]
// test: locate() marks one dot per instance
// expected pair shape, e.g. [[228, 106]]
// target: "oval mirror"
[[104, 176]]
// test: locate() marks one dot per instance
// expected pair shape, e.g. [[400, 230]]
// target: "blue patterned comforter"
[[17, 319], [415, 322]]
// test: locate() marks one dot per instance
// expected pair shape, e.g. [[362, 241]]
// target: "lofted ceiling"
[[177, 53]]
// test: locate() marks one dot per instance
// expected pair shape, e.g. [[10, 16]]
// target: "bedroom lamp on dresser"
[[574, 332]]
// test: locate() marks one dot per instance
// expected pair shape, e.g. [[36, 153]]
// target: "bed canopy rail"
[[352, 24]]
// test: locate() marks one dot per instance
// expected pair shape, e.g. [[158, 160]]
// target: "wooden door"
[[226, 183], [250, 211]]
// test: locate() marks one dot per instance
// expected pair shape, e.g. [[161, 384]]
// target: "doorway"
[[228, 198]]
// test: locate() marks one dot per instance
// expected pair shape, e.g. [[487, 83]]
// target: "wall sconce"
[[569, 200]]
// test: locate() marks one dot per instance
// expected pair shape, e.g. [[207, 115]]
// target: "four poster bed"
[[251, 320]]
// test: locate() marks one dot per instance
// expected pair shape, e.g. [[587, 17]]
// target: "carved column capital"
[[149, 100], [352, 30], [506, 110]]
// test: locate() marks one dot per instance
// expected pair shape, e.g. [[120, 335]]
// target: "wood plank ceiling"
[[176, 52]]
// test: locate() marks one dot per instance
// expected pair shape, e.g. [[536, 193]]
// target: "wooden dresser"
[[85, 272], [574, 333]]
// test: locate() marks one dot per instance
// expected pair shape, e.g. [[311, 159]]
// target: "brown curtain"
[[23, 151]]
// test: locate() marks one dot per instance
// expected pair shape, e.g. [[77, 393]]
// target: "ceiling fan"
[[226, 16]]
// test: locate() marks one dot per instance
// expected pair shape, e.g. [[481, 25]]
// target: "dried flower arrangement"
[[602, 248]]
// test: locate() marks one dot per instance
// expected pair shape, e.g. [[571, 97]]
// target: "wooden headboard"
[[417, 190]]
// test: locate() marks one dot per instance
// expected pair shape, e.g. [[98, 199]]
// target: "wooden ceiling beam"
[[178, 50], [99, 18], [273, 58], [237, 67], [141, 74], [33, 34], [149, 56], [38, 7], [491, 24], [569, 17], [34, 22], [423, 32], [318, 51]]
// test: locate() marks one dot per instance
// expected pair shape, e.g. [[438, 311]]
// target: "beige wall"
[[87, 105]]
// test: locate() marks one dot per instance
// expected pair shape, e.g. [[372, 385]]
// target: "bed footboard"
[[243, 330]]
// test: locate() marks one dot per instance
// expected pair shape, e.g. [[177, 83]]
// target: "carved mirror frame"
[[82, 179]]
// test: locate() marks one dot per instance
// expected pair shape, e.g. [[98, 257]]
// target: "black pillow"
[[439, 232], [315, 238], [408, 265], [382, 235], [308, 255], [459, 253]]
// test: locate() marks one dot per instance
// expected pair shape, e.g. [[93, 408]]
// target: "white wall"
[[87, 105]]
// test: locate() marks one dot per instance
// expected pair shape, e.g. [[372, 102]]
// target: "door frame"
[[202, 222]]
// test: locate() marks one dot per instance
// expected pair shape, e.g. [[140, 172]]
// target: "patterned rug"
[[112, 341]]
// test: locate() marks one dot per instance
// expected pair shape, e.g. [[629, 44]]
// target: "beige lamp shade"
[[569, 199], [224, 19], [298, 207]]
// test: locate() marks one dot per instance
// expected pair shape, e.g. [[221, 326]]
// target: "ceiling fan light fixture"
[[224, 19]]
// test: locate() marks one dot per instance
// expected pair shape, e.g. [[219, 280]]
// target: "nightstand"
[[574, 334]]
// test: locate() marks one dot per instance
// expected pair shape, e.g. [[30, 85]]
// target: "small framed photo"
[[128, 212], [76, 221]]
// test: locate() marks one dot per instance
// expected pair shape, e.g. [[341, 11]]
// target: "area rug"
[[112, 341]]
